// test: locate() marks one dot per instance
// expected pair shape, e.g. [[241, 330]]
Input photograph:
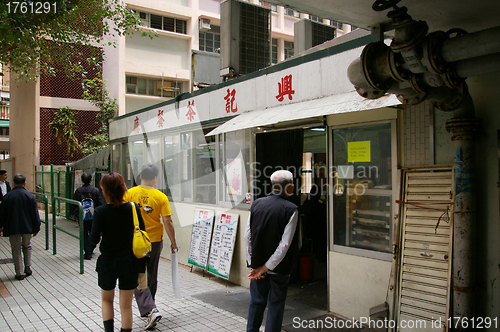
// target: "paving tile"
[[58, 298]]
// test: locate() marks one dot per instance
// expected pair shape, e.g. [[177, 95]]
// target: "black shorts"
[[125, 269]]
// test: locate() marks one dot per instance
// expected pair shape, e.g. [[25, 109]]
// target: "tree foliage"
[[27, 38], [95, 91], [63, 127]]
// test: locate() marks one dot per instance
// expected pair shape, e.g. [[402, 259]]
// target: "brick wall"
[[53, 153]]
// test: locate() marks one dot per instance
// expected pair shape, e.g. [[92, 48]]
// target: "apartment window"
[[152, 87], [315, 18], [292, 12], [274, 59], [4, 131], [266, 4], [289, 47], [336, 24], [210, 40], [164, 23], [353, 27]]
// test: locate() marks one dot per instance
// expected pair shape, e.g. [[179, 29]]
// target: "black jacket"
[[19, 213], [268, 219], [8, 189], [94, 193]]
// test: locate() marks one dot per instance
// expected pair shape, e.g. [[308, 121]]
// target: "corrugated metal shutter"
[[425, 263]]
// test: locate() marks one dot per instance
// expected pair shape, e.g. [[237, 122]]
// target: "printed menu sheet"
[[200, 238], [223, 239]]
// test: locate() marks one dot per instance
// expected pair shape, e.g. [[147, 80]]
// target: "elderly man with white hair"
[[269, 241]]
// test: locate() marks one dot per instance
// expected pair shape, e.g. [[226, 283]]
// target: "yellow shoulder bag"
[[141, 244]]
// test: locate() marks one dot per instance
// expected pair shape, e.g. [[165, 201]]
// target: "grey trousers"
[[145, 297], [18, 243]]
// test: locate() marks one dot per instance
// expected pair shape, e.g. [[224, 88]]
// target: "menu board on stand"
[[222, 247], [200, 238]]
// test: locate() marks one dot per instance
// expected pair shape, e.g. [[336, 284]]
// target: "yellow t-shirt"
[[154, 205]]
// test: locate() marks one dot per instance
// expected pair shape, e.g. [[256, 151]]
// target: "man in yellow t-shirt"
[[155, 209]]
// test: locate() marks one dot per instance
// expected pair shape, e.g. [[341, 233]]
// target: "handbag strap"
[[134, 215]]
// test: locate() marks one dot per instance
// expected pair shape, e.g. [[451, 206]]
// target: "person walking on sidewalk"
[[19, 220], [4, 184], [84, 192], [271, 252], [114, 223], [155, 209]]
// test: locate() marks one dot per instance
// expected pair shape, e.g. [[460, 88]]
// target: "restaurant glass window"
[[186, 166], [205, 176], [153, 155], [171, 165], [115, 158], [235, 167], [126, 167], [137, 155], [362, 187]]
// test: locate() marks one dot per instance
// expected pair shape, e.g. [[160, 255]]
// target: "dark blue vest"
[[268, 219]]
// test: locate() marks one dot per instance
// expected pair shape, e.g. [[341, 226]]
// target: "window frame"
[[385, 256]]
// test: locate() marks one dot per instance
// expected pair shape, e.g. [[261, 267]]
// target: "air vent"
[[245, 37], [308, 34]]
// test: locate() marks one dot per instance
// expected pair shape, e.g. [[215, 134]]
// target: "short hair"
[[2, 171], [113, 187], [86, 178], [149, 172], [19, 179], [280, 179]]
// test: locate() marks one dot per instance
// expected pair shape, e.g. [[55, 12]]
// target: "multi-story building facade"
[[4, 112], [139, 72]]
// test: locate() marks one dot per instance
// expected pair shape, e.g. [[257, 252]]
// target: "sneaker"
[[153, 318], [20, 277], [27, 271]]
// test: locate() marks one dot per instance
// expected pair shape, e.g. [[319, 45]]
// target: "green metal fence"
[[53, 183], [56, 228], [56, 187]]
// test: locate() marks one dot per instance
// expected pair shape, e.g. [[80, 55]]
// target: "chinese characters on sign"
[[136, 125], [160, 119], [230, 104], [4, 113], [191, 113], [221, 250], [285, 88], [200, 238]]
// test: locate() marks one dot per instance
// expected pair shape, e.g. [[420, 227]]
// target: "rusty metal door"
[[426, 251]]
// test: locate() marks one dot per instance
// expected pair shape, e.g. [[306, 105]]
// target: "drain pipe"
[[465, 128]]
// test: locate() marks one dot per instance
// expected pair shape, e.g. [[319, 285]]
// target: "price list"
[[222, 247], [200, 238]]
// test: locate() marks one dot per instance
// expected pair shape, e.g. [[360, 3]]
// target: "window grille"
[[53, 153]]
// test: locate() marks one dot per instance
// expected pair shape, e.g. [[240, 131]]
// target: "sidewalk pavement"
[[58, 298]]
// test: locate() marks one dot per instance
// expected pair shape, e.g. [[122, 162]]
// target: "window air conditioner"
[[204, 24]]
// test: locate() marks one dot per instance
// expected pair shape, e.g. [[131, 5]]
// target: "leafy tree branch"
[[26, 39]]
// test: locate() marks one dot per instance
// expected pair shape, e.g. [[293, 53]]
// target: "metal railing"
[[46, 221], [56, 228]]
